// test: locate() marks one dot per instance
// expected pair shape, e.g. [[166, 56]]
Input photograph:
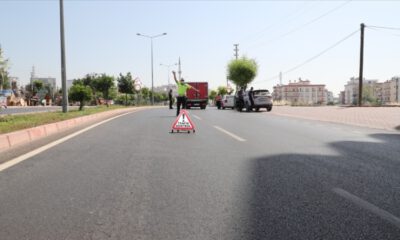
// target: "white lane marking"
[[32, 153], [230, 134], [368, 206], [197, 117]]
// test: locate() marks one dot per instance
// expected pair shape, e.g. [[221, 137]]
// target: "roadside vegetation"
[[10, 123]]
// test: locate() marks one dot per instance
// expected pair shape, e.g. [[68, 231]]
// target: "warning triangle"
[[183, 122]]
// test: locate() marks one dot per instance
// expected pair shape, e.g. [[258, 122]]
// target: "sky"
[[101, 37]]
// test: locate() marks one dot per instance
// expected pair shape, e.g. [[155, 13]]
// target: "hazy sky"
[[280, 35]]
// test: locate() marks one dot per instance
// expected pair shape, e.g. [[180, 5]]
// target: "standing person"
[[182, 87], [251, 95], [170, 99]]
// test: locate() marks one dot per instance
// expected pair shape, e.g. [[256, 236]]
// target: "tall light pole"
[[63, 70], [168, 67], [152, 74]]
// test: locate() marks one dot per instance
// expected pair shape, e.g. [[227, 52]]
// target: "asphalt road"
[[240, 176]]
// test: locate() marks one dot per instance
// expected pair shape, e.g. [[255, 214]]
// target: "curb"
[[20, 137]]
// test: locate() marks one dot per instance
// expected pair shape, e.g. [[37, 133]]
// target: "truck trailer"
[[197, 99]]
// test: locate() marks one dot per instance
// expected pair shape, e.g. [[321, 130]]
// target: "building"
[[352, 87], [302, 92], [382, 92], [329, 97]]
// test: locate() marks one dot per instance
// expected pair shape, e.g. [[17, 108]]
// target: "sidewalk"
[[387, 118]]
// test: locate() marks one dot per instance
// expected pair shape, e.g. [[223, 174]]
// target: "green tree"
[[222, 90], [80, 93], [242, 71], [4, 81], [160, 96], [212, 95], [37, 86], [368, 96], [103, 84], [145, 93], [125, 85]]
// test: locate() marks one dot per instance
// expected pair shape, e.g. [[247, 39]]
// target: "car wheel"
[[223, 108], [257, 109], [269, 109]]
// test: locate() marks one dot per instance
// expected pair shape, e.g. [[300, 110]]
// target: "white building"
[[302, 92], [385, 92]]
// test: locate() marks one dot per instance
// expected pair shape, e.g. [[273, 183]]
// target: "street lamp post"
[[168, 67], [152, 75], [63, 70]]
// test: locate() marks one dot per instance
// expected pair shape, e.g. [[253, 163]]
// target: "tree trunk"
[[80, 105]]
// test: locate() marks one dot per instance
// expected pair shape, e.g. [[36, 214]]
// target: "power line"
[[305, 24], [387, 28], [289, 18], [312, 58], [383, 30]]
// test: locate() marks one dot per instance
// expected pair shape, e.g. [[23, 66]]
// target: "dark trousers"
[[170, 102], [180, 100]]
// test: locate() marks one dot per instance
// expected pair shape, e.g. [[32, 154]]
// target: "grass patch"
[[10, 123]]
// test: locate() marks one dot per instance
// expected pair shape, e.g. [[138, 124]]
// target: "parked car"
[[262, 99], [228, 101]]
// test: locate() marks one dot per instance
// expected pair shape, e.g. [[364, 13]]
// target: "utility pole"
[[360, 77], [236, 50], [280, 78], [63, 70]]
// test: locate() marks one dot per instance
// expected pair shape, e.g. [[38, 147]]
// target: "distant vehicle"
[[4, 95], [262, 99], [3, 102], [197, 99], [228, 101]]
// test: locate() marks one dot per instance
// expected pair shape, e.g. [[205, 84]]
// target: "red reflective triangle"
[[183, 122]]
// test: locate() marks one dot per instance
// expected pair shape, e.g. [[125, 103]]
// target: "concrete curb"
[[16, 138]]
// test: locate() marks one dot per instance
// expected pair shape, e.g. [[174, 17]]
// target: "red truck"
[[197, 99]]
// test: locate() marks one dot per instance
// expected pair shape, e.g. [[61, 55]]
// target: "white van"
[[228, 101]]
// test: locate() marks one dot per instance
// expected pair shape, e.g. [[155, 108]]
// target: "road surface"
[[240, 176]]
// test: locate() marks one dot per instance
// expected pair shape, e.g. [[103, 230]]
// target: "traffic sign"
[[183, 122]]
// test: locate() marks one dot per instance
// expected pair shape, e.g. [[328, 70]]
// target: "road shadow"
[[289, 196]]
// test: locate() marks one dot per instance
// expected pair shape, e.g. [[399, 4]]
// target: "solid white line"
[[368, 206], [230, 134], [196, 117], [32, 153]]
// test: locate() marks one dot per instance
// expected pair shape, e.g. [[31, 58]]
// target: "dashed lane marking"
[[230, 134], [199, 118]]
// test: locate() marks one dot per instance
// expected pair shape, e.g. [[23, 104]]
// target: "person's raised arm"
[[173, 72], [193, 88]]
